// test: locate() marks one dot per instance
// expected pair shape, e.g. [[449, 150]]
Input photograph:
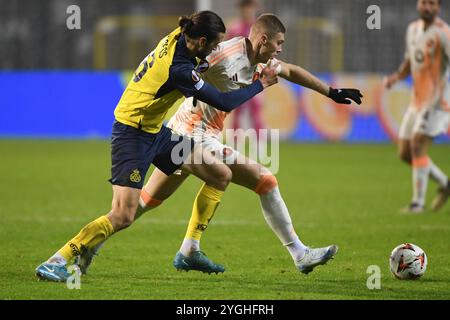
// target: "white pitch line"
[[167, 221], [217, 222]]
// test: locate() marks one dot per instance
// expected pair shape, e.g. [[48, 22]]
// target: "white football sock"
[[189, 245], [420, 184], [278, 218], [297, 249], [437, 175]]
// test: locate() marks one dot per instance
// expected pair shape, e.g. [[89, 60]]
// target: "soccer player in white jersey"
[[233, 65], [427, 58]]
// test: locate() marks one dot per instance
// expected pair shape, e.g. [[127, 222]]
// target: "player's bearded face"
[[271, 47], [428, 9], [206, 47]]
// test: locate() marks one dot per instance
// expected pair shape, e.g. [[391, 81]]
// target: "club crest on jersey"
[[135, 176]]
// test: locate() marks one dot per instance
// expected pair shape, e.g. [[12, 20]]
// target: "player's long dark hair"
[[202, 24]]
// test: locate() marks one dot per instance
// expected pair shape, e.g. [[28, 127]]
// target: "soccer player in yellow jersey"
[[427, 59], [233, 64], [139, 138]]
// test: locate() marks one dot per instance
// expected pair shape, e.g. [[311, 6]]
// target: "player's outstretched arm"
[[227, 101], [403, 71], [297, 74], [190, 84]]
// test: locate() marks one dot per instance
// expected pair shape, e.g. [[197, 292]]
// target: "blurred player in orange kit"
[[427, 59]]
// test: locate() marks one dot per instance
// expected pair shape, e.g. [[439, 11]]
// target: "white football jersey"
[[229, 69], [429, 55]]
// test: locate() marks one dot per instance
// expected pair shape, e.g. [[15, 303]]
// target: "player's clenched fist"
[[269, 76]]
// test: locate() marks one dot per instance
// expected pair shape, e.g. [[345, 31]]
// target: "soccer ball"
[[408, 262]]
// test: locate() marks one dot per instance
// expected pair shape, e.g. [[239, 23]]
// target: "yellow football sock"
[[92, 234], [205, 204]]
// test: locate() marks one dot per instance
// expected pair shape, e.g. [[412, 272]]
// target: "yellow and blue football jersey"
[[167, 74], [162, 78]]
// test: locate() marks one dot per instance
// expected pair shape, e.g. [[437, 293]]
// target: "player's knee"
[[405, 156], [221, 179], [122, 216], [119, 221], [416, 150], [418, 145], [266, 184], [126, 221]]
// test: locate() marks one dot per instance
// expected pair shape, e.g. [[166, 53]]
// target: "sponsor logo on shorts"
[[135, 176]]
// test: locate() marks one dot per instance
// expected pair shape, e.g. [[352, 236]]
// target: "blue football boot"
[[53, 272], [197, 261]]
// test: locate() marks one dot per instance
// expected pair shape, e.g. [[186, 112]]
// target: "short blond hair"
[[268, 23]]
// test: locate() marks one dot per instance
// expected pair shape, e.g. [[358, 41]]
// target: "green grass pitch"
[[343, 194]]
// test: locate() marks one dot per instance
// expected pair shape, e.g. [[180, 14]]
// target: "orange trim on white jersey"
[[220, 52], [227, 56], [215, 59]]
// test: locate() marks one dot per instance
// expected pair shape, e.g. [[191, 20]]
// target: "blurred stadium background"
[[70, 73]]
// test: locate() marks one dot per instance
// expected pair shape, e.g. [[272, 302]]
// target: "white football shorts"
[[225, 153], [431, 123]]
